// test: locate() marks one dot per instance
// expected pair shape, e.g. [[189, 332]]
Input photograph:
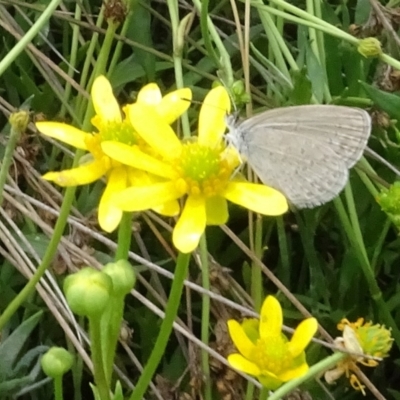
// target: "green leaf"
[[140, 31], [12, 345], [130, 70], [363, 12], [301, 93], [387, 102]]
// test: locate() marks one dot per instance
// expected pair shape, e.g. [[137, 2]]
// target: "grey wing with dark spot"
[[305, 151]]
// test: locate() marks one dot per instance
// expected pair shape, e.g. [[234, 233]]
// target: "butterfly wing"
[[305, 151]]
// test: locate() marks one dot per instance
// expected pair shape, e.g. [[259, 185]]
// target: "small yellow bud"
[[369, 47]]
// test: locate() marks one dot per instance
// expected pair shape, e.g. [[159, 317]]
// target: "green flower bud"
[[183, 29], [239, 93], [56, 362], [369, 47], [19, 120], [122, 276], [88, 291]]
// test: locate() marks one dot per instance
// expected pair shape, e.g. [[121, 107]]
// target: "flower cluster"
[[389, 200], [265, 352], [361, 339], [147, 166]]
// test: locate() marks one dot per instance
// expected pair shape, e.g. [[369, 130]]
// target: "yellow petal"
[[109, 215], [104, 102], [294, 373], [302, 336], [154, 130], [82, 175], [64, 133], [191, 225], [258, 198], [139, 198], [134, 157], [240, 339], [217, 210], [169, 209], [149, 95], [238, 362], [174, 104], [137, 177], [271, 318], [212, 116]]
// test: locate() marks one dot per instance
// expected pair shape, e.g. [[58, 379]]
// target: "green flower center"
[[203, 169], [122, 132], [374, 339], [271, 355]]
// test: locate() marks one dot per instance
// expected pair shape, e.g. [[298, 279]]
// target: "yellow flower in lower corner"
[[202, 168], [265, 352], [114, 128]]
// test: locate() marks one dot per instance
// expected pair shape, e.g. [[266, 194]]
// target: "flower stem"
[[16, 131], [223, 60], [276, 42], [284, 252], [178, 44], [264, 392], [256, 274], [205, 317], [118, 47], [97, 358], [28, 36], [124, 237], [166, 327], [81, 103], [72, 61], [110, 329], [304, 18], [249, 391], [58, 393], [314, 371]]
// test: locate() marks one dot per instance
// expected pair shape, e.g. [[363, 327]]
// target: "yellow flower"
[[113, 128], [202, 168], [265, 352], [360, 338]]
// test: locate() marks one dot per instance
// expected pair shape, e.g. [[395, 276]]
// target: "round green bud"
[[56, 362], [122, 276], [88, 291]]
